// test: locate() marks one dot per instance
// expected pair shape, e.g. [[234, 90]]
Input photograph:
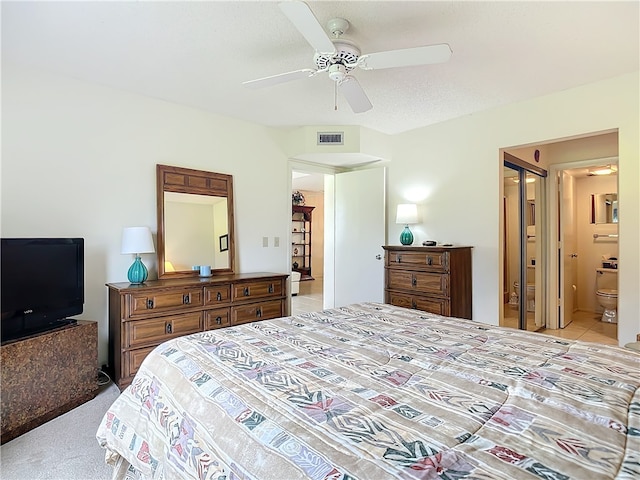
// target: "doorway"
[[570, 307], [586, 229], [309, 291], [353, 230]]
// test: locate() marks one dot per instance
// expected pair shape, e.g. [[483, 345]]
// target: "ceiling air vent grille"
[[330, 138]]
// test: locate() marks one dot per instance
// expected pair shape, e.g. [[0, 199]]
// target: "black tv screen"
[[42, 284]]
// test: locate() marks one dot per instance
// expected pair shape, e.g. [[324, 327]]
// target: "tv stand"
[[46, 375]]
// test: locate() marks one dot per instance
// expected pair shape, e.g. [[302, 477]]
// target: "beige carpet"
[[64, 448]]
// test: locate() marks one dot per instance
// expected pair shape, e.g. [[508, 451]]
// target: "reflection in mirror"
[[195, 221], [604, 208], [190, 223]]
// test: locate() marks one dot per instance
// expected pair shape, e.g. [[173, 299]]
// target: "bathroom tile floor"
[[586, 326]]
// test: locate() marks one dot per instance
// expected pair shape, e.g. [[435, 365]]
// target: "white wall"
[[590, 250], [456, 166], [79, 160]]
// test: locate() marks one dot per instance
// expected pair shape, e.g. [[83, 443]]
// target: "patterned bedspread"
[[377, 392]]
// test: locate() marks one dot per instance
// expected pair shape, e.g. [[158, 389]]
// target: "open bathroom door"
[[566, 248]]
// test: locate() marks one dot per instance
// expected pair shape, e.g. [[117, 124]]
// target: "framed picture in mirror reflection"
[[224, 243]]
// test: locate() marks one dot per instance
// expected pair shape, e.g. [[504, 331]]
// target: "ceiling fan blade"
[[354, 94], [307, 24], [280, 78], [406, 57]]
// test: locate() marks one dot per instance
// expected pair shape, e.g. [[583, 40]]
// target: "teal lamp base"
[[137, 273], [406, 237]]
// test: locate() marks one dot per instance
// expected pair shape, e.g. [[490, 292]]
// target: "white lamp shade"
[[407, 213], [137, 240]]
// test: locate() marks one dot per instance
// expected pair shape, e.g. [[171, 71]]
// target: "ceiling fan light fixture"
[[337, 72]]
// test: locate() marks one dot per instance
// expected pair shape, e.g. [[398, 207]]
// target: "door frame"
[[554, 267], [328, 279]]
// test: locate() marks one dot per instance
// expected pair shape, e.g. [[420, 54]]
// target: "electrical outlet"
[[265, 241], [276, 241]]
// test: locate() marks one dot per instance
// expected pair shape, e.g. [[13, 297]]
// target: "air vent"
[[330, 138]]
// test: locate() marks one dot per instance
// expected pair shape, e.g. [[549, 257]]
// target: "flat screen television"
[[42, 284]]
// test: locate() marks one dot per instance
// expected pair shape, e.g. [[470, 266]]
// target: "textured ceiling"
[[198, 53]]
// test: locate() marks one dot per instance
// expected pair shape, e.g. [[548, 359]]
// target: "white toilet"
[[531, 295], [607, 293]]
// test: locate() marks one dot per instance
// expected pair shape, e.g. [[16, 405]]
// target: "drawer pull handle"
[[258, 312], [150, 303], [168, 328], [246, 291], [186, 299], [398, 258], [219, 320], [429, 261], [414, 280], [413, 304], [219, 297], [271, 288]]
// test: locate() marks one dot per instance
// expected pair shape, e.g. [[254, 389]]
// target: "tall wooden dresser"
[[433, 279], [143, 316]]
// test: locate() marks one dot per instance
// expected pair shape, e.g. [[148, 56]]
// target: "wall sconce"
[[407, 214], [137, 240]]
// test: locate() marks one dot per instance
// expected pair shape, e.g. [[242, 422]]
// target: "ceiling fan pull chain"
[[335, 96]]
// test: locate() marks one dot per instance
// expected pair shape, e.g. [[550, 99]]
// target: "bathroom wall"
[[590, 250]]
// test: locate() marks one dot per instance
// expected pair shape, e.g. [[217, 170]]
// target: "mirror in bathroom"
[[531, 212], [604, 208]]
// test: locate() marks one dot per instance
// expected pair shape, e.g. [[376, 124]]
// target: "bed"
[[373, 391]]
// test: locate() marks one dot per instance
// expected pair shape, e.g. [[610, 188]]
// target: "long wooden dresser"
[[433, 279], [143, 316]]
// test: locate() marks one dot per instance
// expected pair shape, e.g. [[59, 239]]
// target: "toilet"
[[531, 295], [607, 293]]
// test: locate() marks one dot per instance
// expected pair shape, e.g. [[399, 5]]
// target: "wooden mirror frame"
[[197, 182]]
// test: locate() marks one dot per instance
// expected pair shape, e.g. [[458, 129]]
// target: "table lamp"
[[137, 240], [407, 214]]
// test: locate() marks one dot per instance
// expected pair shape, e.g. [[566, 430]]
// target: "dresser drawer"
[[258, 289], [431, 261], [423, 282], [157, 330], [217, 294], [257, 311], [133, 359], [439, 306], [152, 303], [217, 318]]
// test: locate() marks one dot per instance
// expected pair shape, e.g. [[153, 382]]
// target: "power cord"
[[103, 381]]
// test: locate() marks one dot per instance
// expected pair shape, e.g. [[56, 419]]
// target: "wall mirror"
[[604, 208], [195, 221]]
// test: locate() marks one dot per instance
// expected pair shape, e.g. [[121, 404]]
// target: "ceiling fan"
[[339, 57]]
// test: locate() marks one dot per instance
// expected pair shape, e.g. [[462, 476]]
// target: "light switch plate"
[[276, 241], [265, 241]]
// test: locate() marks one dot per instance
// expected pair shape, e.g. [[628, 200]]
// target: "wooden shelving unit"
[[301, 241]]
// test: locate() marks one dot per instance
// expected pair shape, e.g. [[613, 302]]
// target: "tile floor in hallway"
[[586, 326], [309, 299]]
